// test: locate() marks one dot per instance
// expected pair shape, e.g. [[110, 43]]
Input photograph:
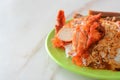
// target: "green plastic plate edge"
[[85, 71]]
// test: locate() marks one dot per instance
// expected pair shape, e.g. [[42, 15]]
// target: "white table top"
[[23, 28]]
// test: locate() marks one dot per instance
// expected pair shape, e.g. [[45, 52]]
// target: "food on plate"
[[92, 40]]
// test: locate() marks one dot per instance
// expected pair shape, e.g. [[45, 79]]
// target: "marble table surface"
[[24, 25]]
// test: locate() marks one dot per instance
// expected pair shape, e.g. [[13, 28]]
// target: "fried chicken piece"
[[95, 34], [93, 29], [86, 36], [65, 34], [60, 21]]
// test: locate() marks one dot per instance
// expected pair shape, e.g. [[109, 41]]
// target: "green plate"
[[58, 55]]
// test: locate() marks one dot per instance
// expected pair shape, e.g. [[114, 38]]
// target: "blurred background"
[[24, 25]]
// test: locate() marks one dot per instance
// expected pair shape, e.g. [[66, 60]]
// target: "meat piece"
[[90, 20], [79, 45], [93, 29], [57, 42], [104, 14], [60, 21], [95, 34], [65, 34]]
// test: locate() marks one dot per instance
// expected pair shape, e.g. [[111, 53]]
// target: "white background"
[[23, 28]]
